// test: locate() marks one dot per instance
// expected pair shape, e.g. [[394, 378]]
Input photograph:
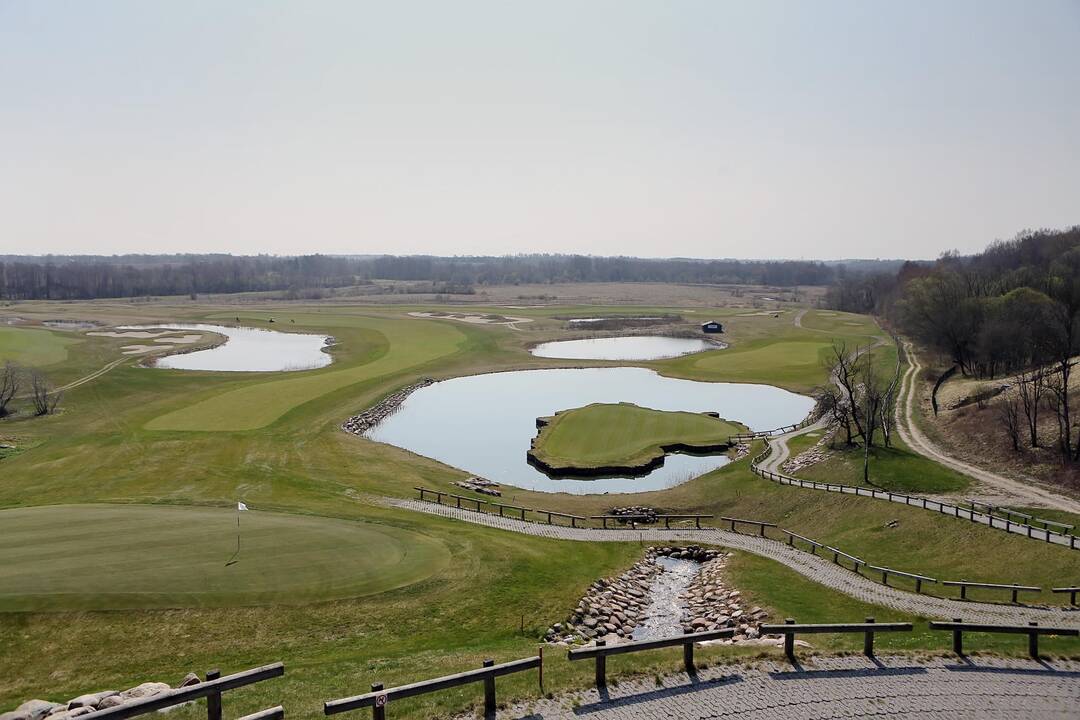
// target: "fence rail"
[[1072, 590], [868, 629], [964, 585], [601, 650], [378, 698], [1062, 536], [211, 689], [274, 713], [1032, 630]]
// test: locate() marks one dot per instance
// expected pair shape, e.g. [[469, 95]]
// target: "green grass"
[[894, 468], [123, 556], [33, 347], [624, 435], [277, 445], [406, 344]]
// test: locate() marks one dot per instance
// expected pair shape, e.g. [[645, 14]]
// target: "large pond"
[[644, 347], [247, 350], [484, 424]]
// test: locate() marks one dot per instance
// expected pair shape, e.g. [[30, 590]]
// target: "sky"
[[759, 129]]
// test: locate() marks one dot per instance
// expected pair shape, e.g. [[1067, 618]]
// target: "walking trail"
[[814, 567], [1026, 492]]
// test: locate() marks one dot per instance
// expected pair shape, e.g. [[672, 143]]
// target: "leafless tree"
[[1057, 399], [830, 401], [10, 375], [45, 397], [1030, 390], [843, 367], [1009, 417]]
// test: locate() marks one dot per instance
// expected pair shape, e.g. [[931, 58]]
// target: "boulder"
[[111, 701], [145, 690], [33, 710], [90, 700]]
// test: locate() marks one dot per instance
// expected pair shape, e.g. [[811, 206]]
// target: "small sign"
[[380, 700]]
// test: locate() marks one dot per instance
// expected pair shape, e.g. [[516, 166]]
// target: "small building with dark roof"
[[712, 327]]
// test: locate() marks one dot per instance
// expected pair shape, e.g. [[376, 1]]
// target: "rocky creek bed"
[[670, 591]]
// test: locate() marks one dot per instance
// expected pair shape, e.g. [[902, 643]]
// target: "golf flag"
[[240, 506]]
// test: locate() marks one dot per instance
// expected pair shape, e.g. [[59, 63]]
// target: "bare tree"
[[830, 401], [1030, 390], [1057, 399], [10, 376], [1009, 417], [844, 369], [45, 397]]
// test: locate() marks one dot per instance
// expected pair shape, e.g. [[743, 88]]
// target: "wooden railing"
[[868, 629], [740, 521], [1062, 537], [646, 518], [886, 572], [1072, 590], [378, 698], [601, 650], [964, 585], [1032, 630], [211, 689]]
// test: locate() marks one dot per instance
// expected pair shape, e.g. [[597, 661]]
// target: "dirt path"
[[86, 378], [994, 487]]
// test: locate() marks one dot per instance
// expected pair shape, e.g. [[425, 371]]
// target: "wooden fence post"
[[688, 655], [789, 641], [378, 712], [1033, 642], [213, 701], [601, 666], [489, 690], [958, 639], [868, 641]]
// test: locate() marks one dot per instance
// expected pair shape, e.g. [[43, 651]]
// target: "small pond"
[[247, 350], [644, 347], [484, 424]]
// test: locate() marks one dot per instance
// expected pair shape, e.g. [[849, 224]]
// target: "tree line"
[[123, 276]]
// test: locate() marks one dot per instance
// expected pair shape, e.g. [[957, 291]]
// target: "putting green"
[[410, 343], [624, 435], [32, 347], [76, 557]]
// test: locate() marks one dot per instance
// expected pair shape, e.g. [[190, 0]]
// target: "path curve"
[[1027, 492], [810, 566]]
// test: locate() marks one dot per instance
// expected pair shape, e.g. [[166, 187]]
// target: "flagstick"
[[236, 554]]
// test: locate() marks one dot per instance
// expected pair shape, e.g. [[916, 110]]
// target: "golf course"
[[124, 556]]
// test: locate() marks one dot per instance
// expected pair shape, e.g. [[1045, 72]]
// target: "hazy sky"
[[660, 128]]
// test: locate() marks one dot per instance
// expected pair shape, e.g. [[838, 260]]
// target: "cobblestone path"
[[814, 567], [854, 687]]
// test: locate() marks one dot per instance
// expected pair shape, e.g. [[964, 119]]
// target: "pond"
[[643, 347], [484, 424], [247, 350]]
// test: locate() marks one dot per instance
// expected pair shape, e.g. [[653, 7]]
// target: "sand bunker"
[[182, 340], [130, 334], [139, 349], [473, 318]]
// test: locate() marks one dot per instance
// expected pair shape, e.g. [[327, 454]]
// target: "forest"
[[87, 277]]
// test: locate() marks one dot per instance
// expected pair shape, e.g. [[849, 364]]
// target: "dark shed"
[[712, 327]]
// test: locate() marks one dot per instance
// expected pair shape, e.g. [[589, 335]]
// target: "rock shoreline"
[[361, 423]]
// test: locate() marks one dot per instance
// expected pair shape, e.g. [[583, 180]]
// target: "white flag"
[[240, 506]]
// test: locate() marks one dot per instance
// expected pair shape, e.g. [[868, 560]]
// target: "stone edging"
[[361, 423]]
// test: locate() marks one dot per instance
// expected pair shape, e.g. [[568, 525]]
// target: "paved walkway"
[[853, 687], [814, 567]]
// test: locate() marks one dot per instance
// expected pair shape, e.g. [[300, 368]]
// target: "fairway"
[[409, 343], [624, 435], [66, 557], [34, 348]]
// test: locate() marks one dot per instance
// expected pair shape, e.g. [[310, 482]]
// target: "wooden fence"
[[1062, 536], [378, 698], [601, 650], [868, 629], [212, 689], [1032, 630]]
